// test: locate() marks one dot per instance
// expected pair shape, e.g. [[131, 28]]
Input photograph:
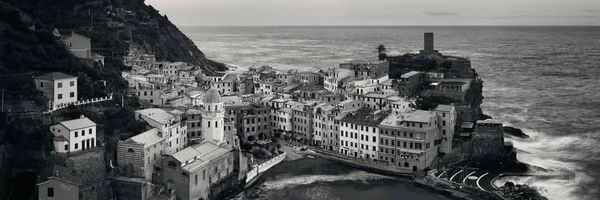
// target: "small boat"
[[309, 156]]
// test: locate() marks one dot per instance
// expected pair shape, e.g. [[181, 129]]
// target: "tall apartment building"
[[410, 139], [359, 133], [447, 116]]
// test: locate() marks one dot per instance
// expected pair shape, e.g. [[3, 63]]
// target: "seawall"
[[366, 165]]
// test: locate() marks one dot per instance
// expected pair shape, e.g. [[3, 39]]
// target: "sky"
[[378, 12]]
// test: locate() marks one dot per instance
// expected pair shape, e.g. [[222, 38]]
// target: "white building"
[[170, 125], [58, 87], [74, 135], [410, 140], [359, 133], [213, 114], [79, 45], [333, 76]]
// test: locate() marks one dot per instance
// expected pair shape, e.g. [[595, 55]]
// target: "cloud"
[[441, 13], [591, 10]]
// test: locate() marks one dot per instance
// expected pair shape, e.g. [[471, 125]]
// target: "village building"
[[57, 182], [359, 133], [409, 140], [79, 45], [302, 119], [171, 125], [409, 83], [309, 78], [367, 70], [138, 154], [74, 135], [58, 87], [333, 78], [447, 117]]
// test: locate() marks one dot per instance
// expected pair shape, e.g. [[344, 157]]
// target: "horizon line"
[[388, 25]]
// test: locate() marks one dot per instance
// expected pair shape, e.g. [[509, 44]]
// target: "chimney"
[[428, 47], [81, 117]]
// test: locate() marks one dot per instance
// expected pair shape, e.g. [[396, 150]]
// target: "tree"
[[381, 52]]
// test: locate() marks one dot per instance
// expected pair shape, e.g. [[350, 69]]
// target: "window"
[[59, 96], [196, 179], [59, 85], [82, 132], [50, 192], [72, 83], [76, 145], [72, 94], [66, 147], [76, 133]]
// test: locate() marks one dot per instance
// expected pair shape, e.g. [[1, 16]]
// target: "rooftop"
[[376, 95], [147, 138], [234, 101], [366, 117], [55, 76], [445, 108], [212, 96], [80, 123], [230, 78], [157, 114], [311, 88], [410, 74], [58, 172], [201, 154], [73, 34], [420, 116]]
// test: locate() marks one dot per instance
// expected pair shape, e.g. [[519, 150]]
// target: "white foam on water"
[[555, 153], [309, 179]]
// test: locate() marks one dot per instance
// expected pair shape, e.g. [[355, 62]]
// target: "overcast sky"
[[379, 12]]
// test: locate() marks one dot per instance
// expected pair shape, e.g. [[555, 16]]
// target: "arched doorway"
[[355, 154], [406, 164], [414, 168], [330, 148]]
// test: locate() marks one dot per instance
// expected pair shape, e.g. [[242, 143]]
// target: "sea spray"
[[309, 179]]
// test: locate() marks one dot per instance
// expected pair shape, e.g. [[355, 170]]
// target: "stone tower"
[[428, 46], [212, 117]]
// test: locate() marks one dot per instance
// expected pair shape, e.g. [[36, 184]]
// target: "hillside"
[[114, 25], [28, 48]]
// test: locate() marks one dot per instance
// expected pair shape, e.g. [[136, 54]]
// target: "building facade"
[[58, 87], [74, 135]]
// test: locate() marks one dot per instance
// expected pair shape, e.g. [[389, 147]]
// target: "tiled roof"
[[55, 76], [230, 78], [58, 172], [60, 138], [78, 123], [365, 117], [147, 138]]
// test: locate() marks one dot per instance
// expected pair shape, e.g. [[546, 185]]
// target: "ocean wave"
[[310, 179], [556, 153]]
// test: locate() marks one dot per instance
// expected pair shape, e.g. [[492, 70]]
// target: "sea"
[[543, 80]]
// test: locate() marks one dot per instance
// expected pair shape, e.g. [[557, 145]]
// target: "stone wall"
[[128, 190]]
